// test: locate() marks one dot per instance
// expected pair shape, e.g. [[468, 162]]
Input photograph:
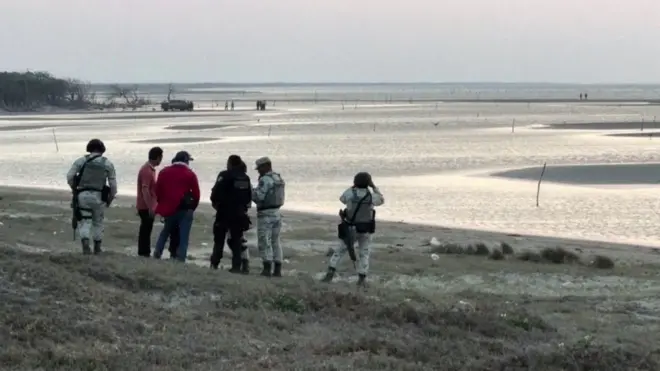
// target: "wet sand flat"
[[544, 310], [611, 174], [623, 125], [175, 140]]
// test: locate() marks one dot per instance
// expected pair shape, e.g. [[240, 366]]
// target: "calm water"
[[431, 161]]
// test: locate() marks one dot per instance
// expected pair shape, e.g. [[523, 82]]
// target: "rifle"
[[77, 215], [344, 231]]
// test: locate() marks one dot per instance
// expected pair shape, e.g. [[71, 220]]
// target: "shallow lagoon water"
[[431, 161]]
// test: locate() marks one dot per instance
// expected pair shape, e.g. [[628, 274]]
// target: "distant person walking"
[[177, 194], [269, 197], [580, 96], [87, 179], [232, 105], [146, 199]]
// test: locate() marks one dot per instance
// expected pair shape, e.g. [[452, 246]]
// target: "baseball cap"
[[182, 156]]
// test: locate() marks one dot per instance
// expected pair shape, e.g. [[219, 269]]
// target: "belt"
[[268, 208]]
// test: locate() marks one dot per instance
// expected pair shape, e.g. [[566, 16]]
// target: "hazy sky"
[[334, 40]]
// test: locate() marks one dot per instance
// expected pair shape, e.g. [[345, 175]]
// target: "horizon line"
[[258, 83]]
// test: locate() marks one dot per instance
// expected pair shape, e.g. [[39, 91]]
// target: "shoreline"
[[388, 230]]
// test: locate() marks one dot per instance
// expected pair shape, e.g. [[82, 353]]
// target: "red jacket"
[[172, 185]]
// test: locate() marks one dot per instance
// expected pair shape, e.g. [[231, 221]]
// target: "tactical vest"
[[275, 196], [94, 176], [239, 190], [359, 209]]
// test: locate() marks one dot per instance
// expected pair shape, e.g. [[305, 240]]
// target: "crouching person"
[[177, 195], [358, 223], [87, 179]]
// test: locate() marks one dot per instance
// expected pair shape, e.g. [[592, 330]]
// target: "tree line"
[[25, 91]]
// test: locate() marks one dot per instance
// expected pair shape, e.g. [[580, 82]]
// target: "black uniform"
[[231, 196]]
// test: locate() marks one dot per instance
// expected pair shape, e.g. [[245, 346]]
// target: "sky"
[[582, 41]]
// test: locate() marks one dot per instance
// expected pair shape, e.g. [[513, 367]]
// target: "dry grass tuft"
[[506, 248], [602, 262], [497, 254], [559, 255]]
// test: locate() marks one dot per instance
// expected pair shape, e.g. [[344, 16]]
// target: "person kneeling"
[[357, 223]]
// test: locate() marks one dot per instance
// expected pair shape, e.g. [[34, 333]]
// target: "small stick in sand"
[[57, 147], [538, 187], [270, 127]]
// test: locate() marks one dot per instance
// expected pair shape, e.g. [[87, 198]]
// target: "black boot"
[[266, 271], [214, 266], [245, 266], [277, 271], [85, 246], [362, 280], [97, 247], [329, 275], [235, 266]]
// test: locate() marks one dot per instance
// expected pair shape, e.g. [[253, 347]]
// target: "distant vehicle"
[[181, 105]]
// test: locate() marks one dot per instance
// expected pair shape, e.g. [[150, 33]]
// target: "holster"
[[105, 195]]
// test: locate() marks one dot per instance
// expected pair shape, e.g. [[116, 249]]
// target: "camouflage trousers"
[[363, 252], [268, 237], [92, 209]]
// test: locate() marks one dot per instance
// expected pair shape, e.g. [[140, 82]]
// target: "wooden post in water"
[[57, 147], [538, 187], [513, 125]]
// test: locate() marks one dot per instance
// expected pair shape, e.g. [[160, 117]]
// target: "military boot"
[[266, 271], [235, 266], [97, 247], [245, 266], [86, 250], [277, 271], [362, 280], [329, 275]]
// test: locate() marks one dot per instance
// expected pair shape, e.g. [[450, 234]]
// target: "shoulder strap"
[[82, 168], [360, 203]]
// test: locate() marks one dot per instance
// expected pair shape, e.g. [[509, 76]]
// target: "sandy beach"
[[436, 305]]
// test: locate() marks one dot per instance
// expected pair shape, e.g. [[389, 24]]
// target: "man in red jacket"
[[177, 193]]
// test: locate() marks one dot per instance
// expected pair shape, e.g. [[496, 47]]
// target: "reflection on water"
[[429, 162]]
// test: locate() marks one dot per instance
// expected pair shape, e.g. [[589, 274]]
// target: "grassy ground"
[[65, 311]]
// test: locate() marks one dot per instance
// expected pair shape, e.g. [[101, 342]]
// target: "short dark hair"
[[362, 180], [95, 145], [155, 153], [234, 161]]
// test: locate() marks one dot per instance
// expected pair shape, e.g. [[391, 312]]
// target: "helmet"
[[95, 145], [362, 180]]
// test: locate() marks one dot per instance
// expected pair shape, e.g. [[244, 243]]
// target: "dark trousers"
[[144, 235], [235, 227]]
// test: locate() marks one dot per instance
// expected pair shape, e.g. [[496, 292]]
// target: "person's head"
[[243, 167], [263, 165], [182, 156], [234, 162], [95, 146], [362, 180], [156, 156]]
